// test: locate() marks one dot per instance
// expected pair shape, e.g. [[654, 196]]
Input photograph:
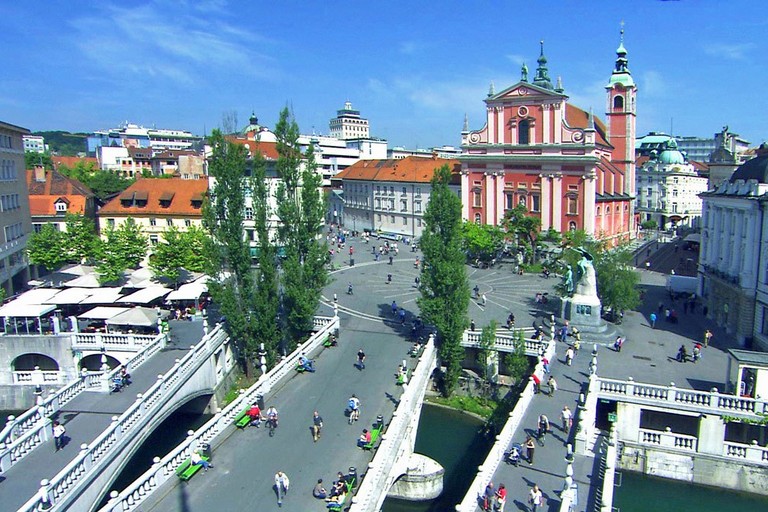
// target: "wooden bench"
[[242, 420], [187, 470], [300, 369], [335, 506]]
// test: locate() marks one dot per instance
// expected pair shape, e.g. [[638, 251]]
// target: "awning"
[[144, 317], [86, 281], [103, 312], [36, 296], [189, 291], [103, 296], [145, 295], [19, 310], [80, 270], [70, 296]]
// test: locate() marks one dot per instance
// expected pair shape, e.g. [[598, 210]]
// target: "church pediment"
[[525, 90]]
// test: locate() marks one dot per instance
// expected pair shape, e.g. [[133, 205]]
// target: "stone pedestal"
[[583, 311]]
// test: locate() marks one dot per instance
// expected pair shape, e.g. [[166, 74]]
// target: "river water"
[[454, 440], [642, 493]]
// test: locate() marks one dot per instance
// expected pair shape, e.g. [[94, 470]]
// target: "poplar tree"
[[232, 285], [301, 209], [444, 287]]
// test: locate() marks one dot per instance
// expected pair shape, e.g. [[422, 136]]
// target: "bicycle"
[[272, 425]]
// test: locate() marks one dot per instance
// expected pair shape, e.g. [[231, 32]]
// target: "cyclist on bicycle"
[[354, 408], [272, 416]]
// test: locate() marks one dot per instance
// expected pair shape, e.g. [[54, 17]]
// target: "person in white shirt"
[[281, 485]]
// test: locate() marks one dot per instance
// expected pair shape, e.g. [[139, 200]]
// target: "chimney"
[[40, 173]]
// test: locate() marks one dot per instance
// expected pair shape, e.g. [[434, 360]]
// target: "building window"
[[153, 239], [248, 213], [535, 203], [522, 200], [523, 129], [477, 199], [477, 218], [188, 223], [111, 223], [650, 191], [378, 217], [61, 206], [169, 222], [572, 226], [418, 222], [573, 205], [674, 207], [598, 211], [674, 192], [152, 221], [418, 191], [675, 180], [378, 203], [607, 210], [404, 205], [405, 221], [618, 103], [417, 207], [378, 189], [37, 227], [648, 204], [509, 201], [764, 327], [391, 191], [405, 190], [392, 219]]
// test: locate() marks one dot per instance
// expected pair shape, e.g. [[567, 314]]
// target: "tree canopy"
[[444, 287], [518, 222], [46, 248], [482, 241], [179, 250]]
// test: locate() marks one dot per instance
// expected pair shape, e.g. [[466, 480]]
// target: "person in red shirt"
[[255, 414], [501, 497]]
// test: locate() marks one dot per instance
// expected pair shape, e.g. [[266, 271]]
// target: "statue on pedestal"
[[586, 283]]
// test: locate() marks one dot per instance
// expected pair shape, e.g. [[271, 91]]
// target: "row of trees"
[[264, 305], [121, 248]]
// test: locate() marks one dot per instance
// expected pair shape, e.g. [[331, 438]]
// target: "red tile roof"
[[71, 161], [267, 149], [577, 118], [151, 190], [411, 169], [44, 194]]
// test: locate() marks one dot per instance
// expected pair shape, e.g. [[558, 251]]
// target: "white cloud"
[[729, 51], [516, 58], [652, 84], [148, 42]]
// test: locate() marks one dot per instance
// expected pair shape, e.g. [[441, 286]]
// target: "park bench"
[[187, 470], [242, 420], [375, 434], [337, 506], [300, 369], [402, 378]]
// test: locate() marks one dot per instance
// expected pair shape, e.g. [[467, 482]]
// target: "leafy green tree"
[[516, 362], [46, 248], [168, 255], [81, 243], [617, 280], [106, 183], [194, 241], [487, 344], [517, 221], [444, 287], [649, 224], [111, 267], [31, 159], [301, 211], [131, 243], [482, 240], [228, 255]]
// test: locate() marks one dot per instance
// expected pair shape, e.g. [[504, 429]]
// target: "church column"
[[491, 125], [557, 201], [589, 203], [499, 197], [546, 202], [490, 198], [717, 238], [545, 125], [500, 125], [558, 123], [738, 241], [465, 194], [750, 242]]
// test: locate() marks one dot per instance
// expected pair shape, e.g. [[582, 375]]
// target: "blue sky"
[[412, 68]]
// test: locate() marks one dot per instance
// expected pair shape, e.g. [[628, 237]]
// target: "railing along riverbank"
[[163, 470]]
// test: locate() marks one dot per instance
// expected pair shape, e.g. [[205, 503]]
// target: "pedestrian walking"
[[618, 343], [317, 425], [536, 383], [281, 486], [485, 300], [530, 449], [696, 354], [58, 435], [471, 325], [653, 320], [360, 359], [401, 313], [394, 308], [335, 299], [545, 364], [390, 259], [488, 496], [567, 417], [501, 498], [535, 498], [552, 383], [569, 356], [476, 292], [707, 337], [389, 278], [543, 429]]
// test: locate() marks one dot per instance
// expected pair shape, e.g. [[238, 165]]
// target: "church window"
[[650, 191], [477, 218], [522, 200], [598, 211], [477, 199], [607, 210], [509, 201], [618, 103], [649, 203], [523, 132], [535, 203], [674, 207], [572, 226], [573, 205]]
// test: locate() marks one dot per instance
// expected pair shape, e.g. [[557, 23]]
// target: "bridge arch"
[[28, 362], [141, 438], [93, 362]]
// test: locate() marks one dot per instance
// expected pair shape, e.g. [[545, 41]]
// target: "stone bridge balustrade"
[[398, 440], [504, 439], [505, 341], [110, 341], [94, 459], [163, 470]]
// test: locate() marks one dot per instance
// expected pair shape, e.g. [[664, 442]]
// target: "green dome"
[[671, 156]]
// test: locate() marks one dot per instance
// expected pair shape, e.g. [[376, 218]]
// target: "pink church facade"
[[565, 165]]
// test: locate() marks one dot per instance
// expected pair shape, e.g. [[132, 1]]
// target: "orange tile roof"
[[44, 194], [578, 118], [411, 169], [71, 161], [184, 191], [267, 149]]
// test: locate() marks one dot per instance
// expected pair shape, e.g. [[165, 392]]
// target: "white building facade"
[[668, 187], [733, 262]]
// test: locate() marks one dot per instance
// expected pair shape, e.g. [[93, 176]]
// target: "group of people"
[[338, 491], [256, 417], [494, 499]]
